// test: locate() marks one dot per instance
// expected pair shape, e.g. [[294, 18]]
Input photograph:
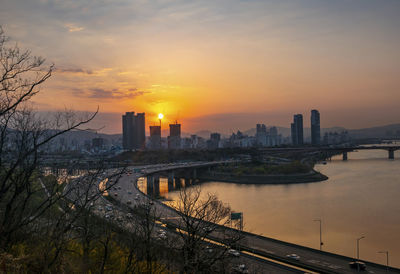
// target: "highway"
[[260, 254], [128, 194]]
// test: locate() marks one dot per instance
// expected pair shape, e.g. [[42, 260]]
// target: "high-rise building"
[[133, 130], [140, 130], [273, 136], [315, 128], [297, 130], [174, 138], [261, 135], [213, 143], [155, 137]]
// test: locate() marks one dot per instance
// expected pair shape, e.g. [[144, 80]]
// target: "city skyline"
[[258, 61]]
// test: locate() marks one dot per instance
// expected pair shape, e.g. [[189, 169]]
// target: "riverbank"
[[298, 178]]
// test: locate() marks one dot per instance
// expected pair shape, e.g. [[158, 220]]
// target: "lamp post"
[[358, 252], [358, 247], [387, 259], [320, 233]]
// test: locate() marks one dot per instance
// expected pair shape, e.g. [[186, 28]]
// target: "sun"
[[160, 116]]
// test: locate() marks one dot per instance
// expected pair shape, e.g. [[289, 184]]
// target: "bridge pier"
[[153, 185], [170, 185], [195, 173], [344, 155], [391, 154], [178, 183], [150, 185], [171, 176], [157, 187]]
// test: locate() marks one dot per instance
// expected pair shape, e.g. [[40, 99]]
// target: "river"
[[360, 198]]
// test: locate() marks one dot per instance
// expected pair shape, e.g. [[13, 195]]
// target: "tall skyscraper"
[[213, 143], [261, 135], [133, 130], [273, 136], [315, 128], [297, 130], [174, 138], [155, 137]]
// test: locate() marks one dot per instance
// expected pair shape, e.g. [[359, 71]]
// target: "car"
[[234, 252], [162, 235], [241, 268], [358, 265], [129, 202], [209, 249], [129, 192], [208, 228], [293, 256]]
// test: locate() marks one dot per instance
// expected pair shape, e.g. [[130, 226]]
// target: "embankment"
[[298, 178]]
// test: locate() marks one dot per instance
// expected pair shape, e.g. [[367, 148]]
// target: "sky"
[[216, 65]]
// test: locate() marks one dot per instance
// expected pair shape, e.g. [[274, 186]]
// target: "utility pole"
[[358, 252], [320, 233], [387, 259]]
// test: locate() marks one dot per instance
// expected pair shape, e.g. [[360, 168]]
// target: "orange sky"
[[191, 60]]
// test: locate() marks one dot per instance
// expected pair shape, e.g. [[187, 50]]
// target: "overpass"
[[169, 170], [344, 150]]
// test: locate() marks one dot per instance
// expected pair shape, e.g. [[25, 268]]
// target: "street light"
[[358, 247], [320, 233], [387, 259]]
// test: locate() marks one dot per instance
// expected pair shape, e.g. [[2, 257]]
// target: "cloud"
[[73, 70], [73, 27], [100, 93]]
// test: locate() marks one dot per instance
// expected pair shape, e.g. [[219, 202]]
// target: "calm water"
[[361, 198]]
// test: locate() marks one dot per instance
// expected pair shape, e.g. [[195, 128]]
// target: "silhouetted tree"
[[201, 216]]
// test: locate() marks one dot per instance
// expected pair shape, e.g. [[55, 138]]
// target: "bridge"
[[344, 150], [189, 169]]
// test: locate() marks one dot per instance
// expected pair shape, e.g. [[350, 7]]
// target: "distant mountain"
[[388, 131], [80, 135], [206, 134], [203, 133]]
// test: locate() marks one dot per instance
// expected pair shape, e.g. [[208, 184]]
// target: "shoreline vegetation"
[[288, 173], [256, 168]]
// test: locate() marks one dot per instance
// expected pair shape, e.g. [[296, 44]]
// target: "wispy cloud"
[[73, 28], [73, 70], [100, 93]]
